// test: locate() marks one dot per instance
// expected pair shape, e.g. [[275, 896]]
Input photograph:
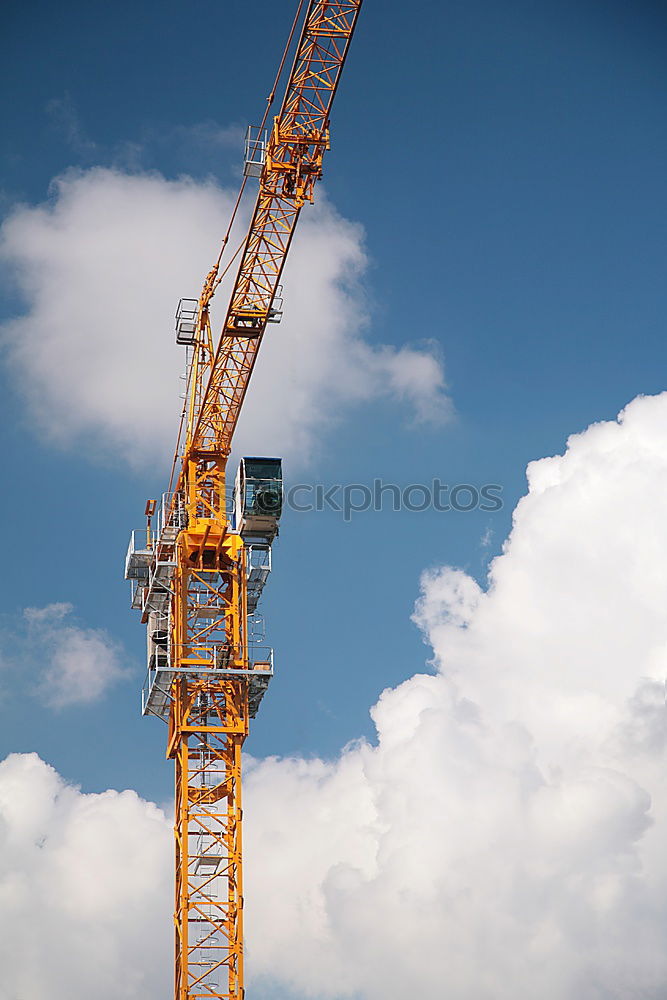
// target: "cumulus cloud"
[[502, 838], [85, 889], [79, 664], [100, 268]]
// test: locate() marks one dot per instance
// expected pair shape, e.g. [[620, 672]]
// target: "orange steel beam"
[[208, 725], [297, 142], [208, 606]]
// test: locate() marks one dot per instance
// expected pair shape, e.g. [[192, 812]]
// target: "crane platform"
[[156, 692]]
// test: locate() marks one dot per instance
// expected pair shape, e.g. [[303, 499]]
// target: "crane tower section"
[[198, 568]]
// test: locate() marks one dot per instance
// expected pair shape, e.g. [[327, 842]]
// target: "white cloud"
[[67, 122], [101, 267], [49, 614], [503, 839], [79, 664], [315, 365], [85, 890]]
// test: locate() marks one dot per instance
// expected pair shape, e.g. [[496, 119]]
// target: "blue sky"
[[507, 165], [508, 170]]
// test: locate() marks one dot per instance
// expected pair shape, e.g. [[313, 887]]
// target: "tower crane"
[[198, 567]]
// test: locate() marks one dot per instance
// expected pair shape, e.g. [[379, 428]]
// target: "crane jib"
[[299, 139]]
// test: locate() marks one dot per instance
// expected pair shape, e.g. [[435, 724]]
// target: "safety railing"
[[260, 658], [255, 151], [138, 555], [170, 514], [156, 690]]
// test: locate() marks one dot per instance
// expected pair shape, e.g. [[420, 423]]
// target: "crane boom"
[[292, 164], [298, 140], [198, 569]]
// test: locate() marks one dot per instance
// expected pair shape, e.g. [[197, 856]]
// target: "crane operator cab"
[[258, 498]]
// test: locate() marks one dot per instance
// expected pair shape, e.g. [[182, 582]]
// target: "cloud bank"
[[85, 889], [100, 268], [504, 836]]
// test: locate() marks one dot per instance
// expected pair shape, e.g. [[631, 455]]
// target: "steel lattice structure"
[[190, 570]]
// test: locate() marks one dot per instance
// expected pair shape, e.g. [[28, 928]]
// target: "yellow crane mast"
[[198, 568]]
